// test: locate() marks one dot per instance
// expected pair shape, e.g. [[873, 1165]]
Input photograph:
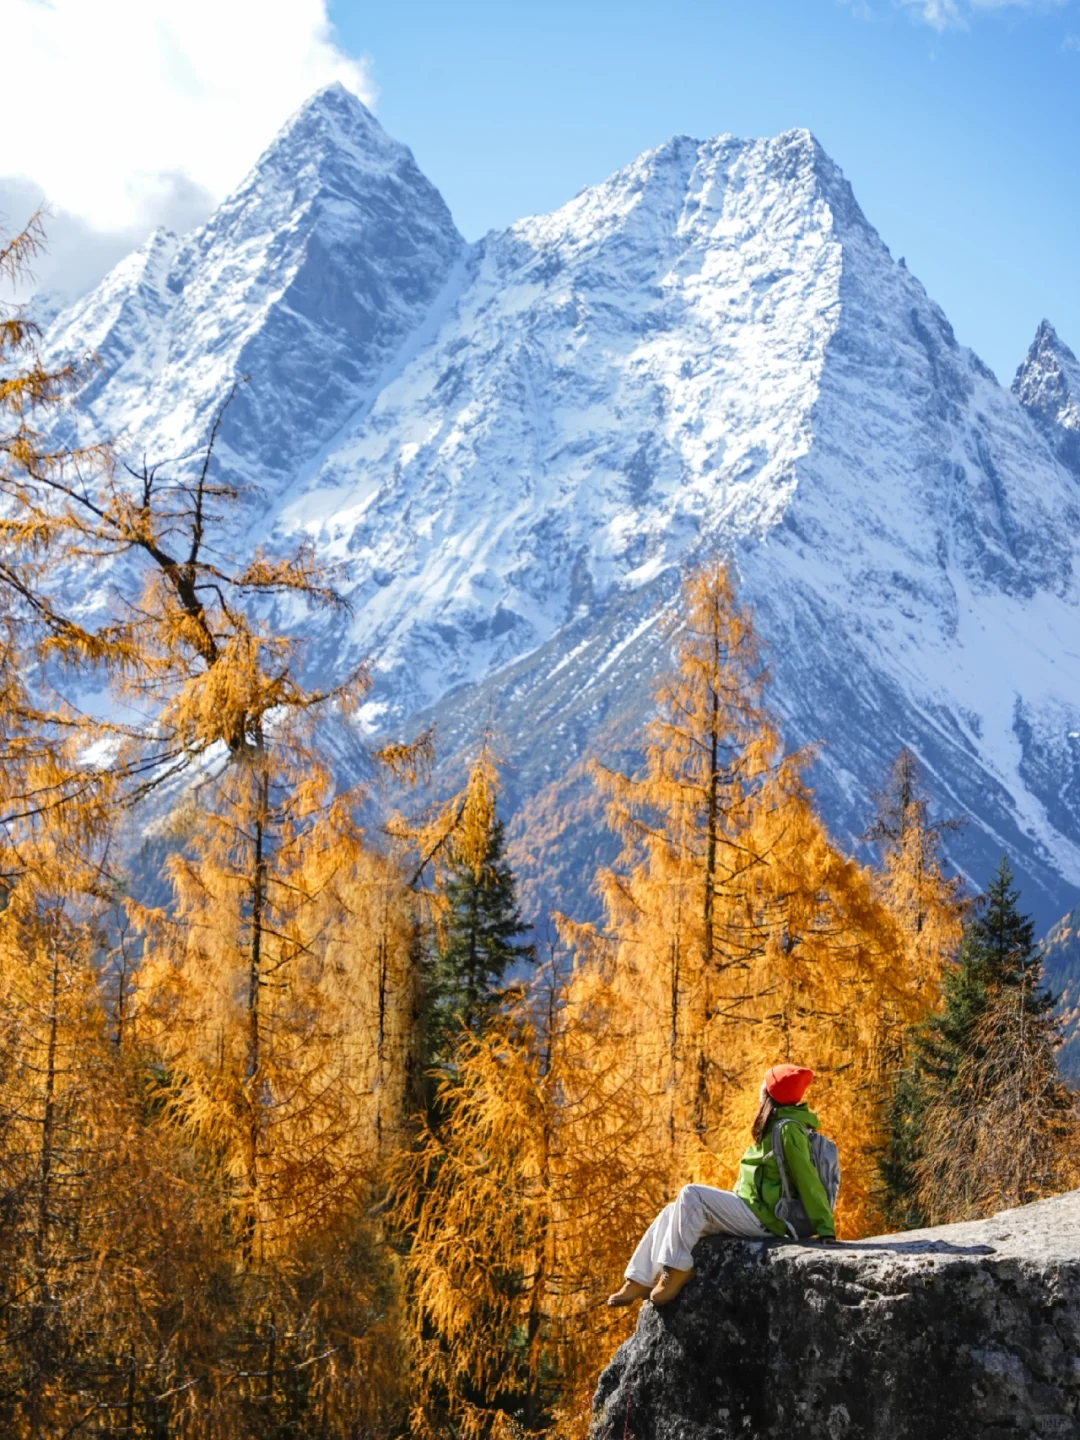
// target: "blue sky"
[[958, 124]]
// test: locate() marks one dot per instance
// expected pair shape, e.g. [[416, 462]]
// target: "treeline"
[[299, 1152]]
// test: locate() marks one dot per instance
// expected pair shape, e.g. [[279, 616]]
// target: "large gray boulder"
[[963, 1331]]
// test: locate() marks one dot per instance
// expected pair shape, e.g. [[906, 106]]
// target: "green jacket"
[[759, 1176]]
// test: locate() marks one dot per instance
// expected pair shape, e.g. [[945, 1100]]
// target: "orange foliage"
[[736, 935], [189, 1136]]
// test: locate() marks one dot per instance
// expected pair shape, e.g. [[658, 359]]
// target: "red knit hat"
[[787, 1084]]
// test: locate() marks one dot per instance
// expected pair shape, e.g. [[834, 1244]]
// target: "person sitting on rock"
[[750, 1210]]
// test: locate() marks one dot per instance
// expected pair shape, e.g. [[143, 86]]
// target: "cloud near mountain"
[[183, 96]]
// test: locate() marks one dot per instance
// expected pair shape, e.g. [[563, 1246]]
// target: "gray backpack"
[[826, 1160]]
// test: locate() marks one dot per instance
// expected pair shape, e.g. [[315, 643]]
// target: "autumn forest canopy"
[[315, 1137]]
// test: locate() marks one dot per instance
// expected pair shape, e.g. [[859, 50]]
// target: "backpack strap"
[[777, 1143]]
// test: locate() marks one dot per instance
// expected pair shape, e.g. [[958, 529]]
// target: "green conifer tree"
[[981, 1118], [480, 941], [901, 1153], [928, 906], [997, 951]]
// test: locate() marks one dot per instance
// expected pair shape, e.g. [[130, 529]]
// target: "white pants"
[[697, 1210]]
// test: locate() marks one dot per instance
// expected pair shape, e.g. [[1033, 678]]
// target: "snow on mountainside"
[[613, 382], [513, 447]]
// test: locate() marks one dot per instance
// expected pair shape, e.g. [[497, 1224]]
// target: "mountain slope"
[[513, 448], [580, 416]]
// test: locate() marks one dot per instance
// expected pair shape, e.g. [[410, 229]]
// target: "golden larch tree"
[[738, 934], [926, 902], [277, 1011], [512, 1209], [327, 1009]]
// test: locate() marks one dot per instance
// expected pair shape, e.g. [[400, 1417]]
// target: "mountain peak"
[[1047, 354], [1047, 385], [333, 141], [331, 95], [799, 138], [333, 119], [314, 271]]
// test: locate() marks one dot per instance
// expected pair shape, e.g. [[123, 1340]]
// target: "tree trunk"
[[380, 1037], [534, 1403], [254, 1046], [473, 987], [48, 1135], [673, 1046], [701, 1101]]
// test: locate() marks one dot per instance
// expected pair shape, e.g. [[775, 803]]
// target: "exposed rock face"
[[964, 1331], [1047, 384], [310, 277]]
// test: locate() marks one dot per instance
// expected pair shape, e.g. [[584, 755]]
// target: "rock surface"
[[962, 1331], [1047, 384]]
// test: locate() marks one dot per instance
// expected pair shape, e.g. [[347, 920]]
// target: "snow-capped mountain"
[[513, 447]]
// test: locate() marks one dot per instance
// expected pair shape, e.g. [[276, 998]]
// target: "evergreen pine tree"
[[981, 1118], [517, 1207], [940, 1045], [480, 940], [997, 950], [898, 1162]]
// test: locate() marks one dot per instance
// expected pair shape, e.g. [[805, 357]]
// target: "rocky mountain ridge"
[[1047, 384], [512, 448]]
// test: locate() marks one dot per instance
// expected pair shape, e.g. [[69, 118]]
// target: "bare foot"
[[671, 1282], [632, 1290]]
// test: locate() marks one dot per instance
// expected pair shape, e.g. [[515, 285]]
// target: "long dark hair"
[[762, 1118]]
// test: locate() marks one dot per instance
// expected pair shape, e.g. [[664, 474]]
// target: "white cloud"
[[953, 14], [941, 14], [78, 254], [1071, 42], [140, 112]]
